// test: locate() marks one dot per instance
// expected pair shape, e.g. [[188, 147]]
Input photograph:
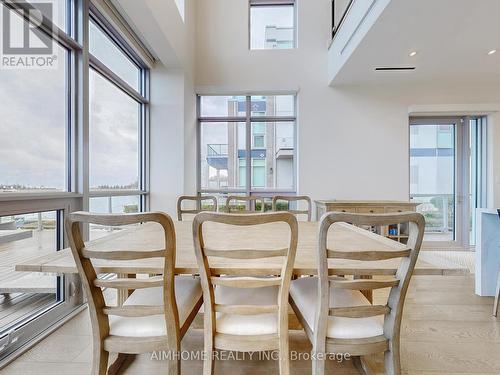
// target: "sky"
[[33, 126]]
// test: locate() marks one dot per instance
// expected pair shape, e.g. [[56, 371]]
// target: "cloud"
[[33, 130]]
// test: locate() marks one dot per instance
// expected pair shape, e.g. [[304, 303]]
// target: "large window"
[[114, 136], [117, 122], [36, 128], [34, 102], [110, 54], [272, 24], [240, 131], [62, 150]]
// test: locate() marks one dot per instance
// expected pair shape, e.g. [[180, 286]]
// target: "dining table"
[[148, 236], [144, 237]]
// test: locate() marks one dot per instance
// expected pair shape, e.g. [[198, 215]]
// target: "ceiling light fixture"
[[492, 52], [413, 53]]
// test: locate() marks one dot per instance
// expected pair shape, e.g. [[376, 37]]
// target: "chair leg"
[[497, 297], [114, 368], [99, 361], [359, 366], [174, 364], [318, 363], [318, 366], [392, 360], [284, 354], [208, 363], [174, 367]]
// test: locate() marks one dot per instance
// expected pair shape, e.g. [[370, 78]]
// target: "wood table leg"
[[123, 294], [367, 293], [130, 291]]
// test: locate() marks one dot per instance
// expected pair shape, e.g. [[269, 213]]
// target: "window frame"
[[141, 97], [248, 119], [272, 3], [77, 194], [20, 333]]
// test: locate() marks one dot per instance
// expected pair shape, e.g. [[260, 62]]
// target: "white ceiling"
[[452, 38]]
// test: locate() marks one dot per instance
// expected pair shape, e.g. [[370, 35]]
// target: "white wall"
[[353, 141], [167, 138]]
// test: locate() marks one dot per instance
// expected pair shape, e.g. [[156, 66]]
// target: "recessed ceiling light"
[[493, 51], [413, 53]]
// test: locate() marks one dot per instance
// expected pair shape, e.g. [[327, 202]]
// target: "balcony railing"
[[340, 8], [284, 142], [438, 210], [217, 149]]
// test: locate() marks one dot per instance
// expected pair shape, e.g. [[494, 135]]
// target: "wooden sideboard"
[[397, 232]]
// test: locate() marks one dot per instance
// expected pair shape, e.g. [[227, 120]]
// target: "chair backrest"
[[297, 198], [250, 200], [199, 201], [209, 279], [398, 284], [84, 256]]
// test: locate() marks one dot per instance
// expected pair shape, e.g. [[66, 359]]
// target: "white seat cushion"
[[260, 324], [187, 292], [304, 292]]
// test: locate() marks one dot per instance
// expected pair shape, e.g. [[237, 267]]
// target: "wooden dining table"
[[150, 236], [342, 237]]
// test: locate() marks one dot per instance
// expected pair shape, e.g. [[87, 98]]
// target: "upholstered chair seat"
[[304, 292], [188, 293], [260, 324]]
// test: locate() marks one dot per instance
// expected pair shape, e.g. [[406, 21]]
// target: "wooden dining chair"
[[245, 313], [250, 202], [157, 313], [336, 316], [198, 199], [297, 198]]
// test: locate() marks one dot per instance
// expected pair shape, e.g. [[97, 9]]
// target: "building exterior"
[[272, 148], [279, 37]]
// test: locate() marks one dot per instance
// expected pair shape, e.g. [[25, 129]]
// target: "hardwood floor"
[[446, 330]]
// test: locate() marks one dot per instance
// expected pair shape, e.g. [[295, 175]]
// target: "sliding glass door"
[[445, 165]]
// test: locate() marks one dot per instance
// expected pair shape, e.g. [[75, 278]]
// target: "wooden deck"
[[7, 236], [22, 293]]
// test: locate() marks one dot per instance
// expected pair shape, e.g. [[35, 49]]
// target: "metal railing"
[[438, 210], [217, 149], [340, 8], [284, 142]]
